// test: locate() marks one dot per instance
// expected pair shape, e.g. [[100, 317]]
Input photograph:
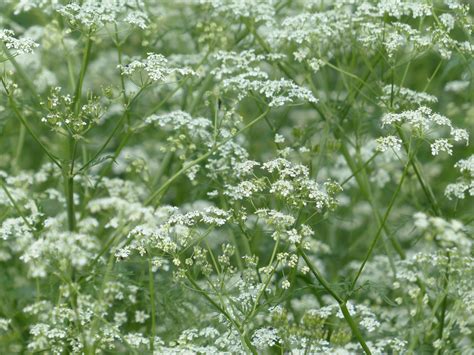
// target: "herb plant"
[[236, 176]]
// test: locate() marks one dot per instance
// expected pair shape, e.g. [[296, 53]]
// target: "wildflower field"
[[236, 176]]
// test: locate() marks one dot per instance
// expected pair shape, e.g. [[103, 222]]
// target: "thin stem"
[[85, 62], [320, 278], [24, 122], [444, 304], [122, 79], [245, 339], [69, 173], [267, 282], [69, 191], [151, 287], [15, 205], [196, 161], [19, 147], [23, 76], [339, 133], [363, 167], [342, 304], [380, 229], [419, 175], [114, 131]]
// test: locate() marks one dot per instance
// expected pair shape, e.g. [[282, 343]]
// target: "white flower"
[[315, 64], [4, 324], [245, 189], [465, 183], [301, 54], [388, 142], [279, 139], [447, 20], [460, 135], [242, 74], [156, 66], [99, 13], [19, 46], [294, 236], [141, 316], [466, 165], [265, 337], [441, 145], [122, 253], [403, 95], [456, 85]]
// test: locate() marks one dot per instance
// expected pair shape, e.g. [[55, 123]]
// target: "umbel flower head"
[[15, 46]]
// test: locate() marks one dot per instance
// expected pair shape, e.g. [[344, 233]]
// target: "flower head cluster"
[[16, 46], [256, 10], [186, 206], [404, 97], [173, 234], [465, 183], [242, 74], [265, 337], [323, 29], [56, 325], [62, 115], [183, 130], [448, 233], [456, 281], [99, 13], [288, 181], [53, 248], [422, 122], [156, 67], [388, 142]]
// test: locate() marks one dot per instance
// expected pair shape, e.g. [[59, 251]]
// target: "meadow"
[[236, 176]]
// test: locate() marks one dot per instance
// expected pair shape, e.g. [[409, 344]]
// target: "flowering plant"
[[236, 176]]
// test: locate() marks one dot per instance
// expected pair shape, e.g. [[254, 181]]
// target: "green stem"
[[151, 287], [203, 157], [246, 341], [363, 167], [365, 188], [19, 147], [421, 179], [114, 130], [15, 205], [76, 103], [444, 304], [23, 76], [263, 289], [71, 218], [24, 122], [69, 181], [380, 229], [342, 304], [122, 79], [85, 62]]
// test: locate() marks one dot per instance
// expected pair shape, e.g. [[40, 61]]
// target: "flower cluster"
[[465, 183], [99, 13], [61, 113], [15, 46], [448, 233], [422, 122], [156, 67], [241, 73], [288, 181], [210, 176], [397, 97]]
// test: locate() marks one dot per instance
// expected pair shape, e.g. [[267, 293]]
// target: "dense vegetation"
[[239, 176]]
